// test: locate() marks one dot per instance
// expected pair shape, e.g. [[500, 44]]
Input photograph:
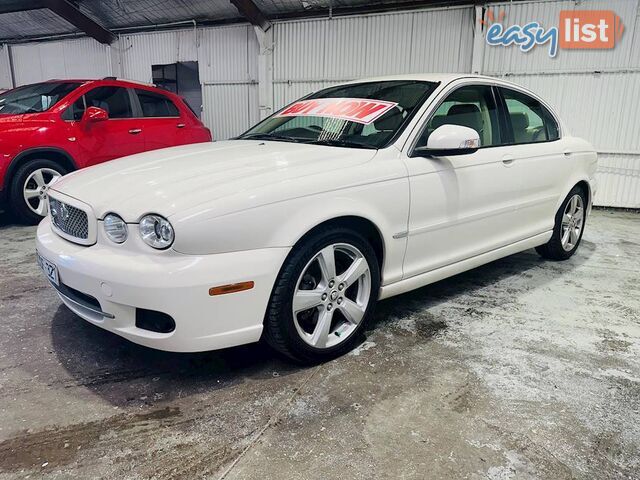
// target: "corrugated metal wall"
[[5, 68], [601, 107], [78, 58], [227, 62], [310, 54]]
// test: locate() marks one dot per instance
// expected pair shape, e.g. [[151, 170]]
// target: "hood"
[[7, 119], [176, 179], [7, 122]]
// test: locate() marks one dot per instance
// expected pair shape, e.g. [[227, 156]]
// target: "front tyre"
[[28, 189], [569, 227], [323, 297]]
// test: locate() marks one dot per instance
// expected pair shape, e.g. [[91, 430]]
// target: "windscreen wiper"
[[270, 136], [338, 142]]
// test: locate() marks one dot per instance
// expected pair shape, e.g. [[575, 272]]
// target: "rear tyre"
[[323, 297], [569, 227], [28, 189]]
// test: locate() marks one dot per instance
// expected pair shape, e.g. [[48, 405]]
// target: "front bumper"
[[169, 282]]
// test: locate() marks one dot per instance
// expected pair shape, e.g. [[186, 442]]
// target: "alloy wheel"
[[331, 295], [572, 223], [35, 189]]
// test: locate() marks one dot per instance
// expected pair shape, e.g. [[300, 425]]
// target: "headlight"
[[115, 228], [156, 231]]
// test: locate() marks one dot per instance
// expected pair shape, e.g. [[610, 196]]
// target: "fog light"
[[154, 321]]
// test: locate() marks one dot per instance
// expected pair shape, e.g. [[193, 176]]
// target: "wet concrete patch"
[[58, 446]]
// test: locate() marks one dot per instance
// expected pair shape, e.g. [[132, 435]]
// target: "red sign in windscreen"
[[360, 110]]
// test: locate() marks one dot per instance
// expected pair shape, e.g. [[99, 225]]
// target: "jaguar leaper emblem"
[[64, 212]]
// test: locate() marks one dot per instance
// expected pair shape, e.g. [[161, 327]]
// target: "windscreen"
[[362, 115], [34, 98]]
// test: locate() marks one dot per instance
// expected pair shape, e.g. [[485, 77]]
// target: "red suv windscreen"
[[35, 98]]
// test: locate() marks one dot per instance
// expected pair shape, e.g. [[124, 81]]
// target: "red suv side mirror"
[[94, 114]]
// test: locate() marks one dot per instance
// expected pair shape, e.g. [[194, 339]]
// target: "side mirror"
[[95, 114], [450, 140]]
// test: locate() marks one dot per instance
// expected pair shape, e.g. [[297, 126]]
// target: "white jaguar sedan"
[[292, 231]]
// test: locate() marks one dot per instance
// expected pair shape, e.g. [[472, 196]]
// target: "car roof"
[[443, 79], [425, 77], [110, 80]]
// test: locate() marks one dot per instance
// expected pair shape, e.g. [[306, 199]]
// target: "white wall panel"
[[228, 54], [5, 68], [77, 58], [299, 50], [234, 108], [388, 43], [227, 61], [634, 54], [442, 41], [138, 52], [510, 59], [314, 53], [618, 181]]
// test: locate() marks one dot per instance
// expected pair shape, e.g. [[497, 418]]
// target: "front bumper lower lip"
[[68, 296], [123, 280]]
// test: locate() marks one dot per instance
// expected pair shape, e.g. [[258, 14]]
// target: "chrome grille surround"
[[69, 219], [72, 219]]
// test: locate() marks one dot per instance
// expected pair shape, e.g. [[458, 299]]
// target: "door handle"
[[508, 160], [567, 153], [180, 125], [135, 131]]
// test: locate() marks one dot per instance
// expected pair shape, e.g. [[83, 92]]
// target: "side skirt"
[[441, 273]]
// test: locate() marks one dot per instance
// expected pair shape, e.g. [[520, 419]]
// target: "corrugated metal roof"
[[33, 23], [282, 7], [125, 14], [129, 13]]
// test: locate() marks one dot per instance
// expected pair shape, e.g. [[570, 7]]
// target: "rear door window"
[[156, 105], [530, 121], [114, 100]]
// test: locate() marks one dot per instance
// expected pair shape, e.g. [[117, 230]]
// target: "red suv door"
[[119, 135], [166, 122]]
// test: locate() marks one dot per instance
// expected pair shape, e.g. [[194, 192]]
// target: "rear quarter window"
[[156, 105]]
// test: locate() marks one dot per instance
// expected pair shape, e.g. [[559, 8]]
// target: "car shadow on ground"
[[523, 264], [7, 220], [122, 372]]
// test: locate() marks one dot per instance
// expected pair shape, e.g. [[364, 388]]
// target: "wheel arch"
[[50, 153], [582, 182], [586, 187], [364, 226]]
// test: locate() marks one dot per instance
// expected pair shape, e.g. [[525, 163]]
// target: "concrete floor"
[[520, 369]]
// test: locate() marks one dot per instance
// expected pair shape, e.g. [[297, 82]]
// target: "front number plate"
[[49, 269]]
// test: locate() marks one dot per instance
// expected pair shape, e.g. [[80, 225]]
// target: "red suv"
[[51, 128]]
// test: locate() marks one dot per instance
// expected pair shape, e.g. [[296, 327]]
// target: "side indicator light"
[[232, 288]]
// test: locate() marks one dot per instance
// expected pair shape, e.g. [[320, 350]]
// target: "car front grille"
[[69, 219]]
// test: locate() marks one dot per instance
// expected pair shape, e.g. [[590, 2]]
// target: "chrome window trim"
[[434, 102]]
